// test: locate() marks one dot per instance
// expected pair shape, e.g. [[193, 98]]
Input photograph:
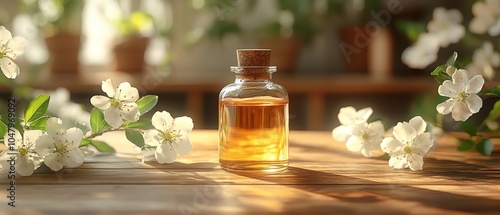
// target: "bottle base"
[[254, 166]]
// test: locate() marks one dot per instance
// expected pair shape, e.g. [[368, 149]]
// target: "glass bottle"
[[253, 117]]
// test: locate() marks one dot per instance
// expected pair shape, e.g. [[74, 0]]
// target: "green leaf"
[[440, 74], [495, 112], [493, 91], [141, 124], [3, 129], [146, 103], [135, 137], [39, 124], [97, 121], [17, 125], [466, 145], [411, 28], [452, 60], [102, 146], [85, 142], [485, 147], [36, 108], [469, 128]]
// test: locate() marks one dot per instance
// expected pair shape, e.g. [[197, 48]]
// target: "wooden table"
[[323, 178]]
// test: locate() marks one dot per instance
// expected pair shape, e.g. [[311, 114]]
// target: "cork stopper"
[[253, 57]]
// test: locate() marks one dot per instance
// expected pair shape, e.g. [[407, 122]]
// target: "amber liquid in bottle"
[[254, 134]]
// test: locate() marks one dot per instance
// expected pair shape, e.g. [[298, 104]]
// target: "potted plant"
[[60, 23], [290, 24], [364, 29], [132, 41], [293, 26]]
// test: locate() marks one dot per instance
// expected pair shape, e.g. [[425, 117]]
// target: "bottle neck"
[[261, 74]]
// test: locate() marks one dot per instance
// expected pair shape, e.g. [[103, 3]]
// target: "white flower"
[[348, 116], [484, 60], [60, 147], [169, 137], [422, 53], [484, 70], [10, 48], [26, 161], [409, 145], [366, 138], [120, 105], [462, 92], [486, 17], [62, 107], [445, 25]]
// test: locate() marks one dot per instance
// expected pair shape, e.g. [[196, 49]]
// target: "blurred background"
[[329, 53]]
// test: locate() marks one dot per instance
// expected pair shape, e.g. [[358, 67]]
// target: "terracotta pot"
[[63, 49], [354, 46], [129, 55], [284, 52]]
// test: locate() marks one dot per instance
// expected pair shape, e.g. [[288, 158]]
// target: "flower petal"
[[354, 144], [475, 84], [495, 29], [474, 102], [415, 162], [377, 127], [30, 136], [445, 107], [419, 124], [363, 115], [165, 154], [130, 111], [53, 126], [9, 68], [101, 102], [127, 93], [16, 46], [113, 117], [404, 132], [18, 138], [422, 144], [341, 133], [398, 162], [451, 70], [460, 111], [73, 158], [162, 121], [25, 166], [460, 79], [5, 35], [73, 136], [390, 145], [148, 155], [45, 145], [183, 146], [447, 89], [53, 161], [346, 115], [108, 87], [152, 137], [184, 124], [367, 151]]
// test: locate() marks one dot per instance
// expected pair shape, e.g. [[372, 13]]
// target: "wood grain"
[[323, 178]]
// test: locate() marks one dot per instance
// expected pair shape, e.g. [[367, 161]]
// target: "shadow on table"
[[393, 198]]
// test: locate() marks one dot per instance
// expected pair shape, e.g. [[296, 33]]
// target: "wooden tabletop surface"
[[323, 178]]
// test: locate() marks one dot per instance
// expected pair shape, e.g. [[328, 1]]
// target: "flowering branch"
[[39, 138]]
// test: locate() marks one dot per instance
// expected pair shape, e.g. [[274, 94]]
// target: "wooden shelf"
[[315, 88]]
